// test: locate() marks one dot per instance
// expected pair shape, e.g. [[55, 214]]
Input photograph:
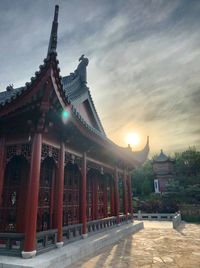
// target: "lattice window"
[[121, 195], [73, 159], [89, 198], [71, 199], [100, 197], [18, 149], [14, 196], [46, 192], [50, 151]]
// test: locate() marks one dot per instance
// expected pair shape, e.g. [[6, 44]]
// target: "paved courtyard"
[[157, 246]]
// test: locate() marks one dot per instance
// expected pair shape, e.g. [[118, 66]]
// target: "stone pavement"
[[156, 246]]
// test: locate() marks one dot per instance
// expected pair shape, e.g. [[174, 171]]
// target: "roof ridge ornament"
[[81, 69], [53, 37], [10, 87]]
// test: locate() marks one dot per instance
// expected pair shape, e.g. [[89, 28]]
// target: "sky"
[[144, 61]]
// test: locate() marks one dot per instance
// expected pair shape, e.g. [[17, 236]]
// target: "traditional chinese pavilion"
[[163, 168], [60, 175]]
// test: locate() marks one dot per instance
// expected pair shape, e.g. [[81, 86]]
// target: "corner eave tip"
[[53, 36], [56, 13]]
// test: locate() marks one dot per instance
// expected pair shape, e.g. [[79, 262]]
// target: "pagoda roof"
[[74, 91], [162, 157]]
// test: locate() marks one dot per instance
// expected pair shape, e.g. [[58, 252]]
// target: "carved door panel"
[[100, 199], [14, 196], [89, 198], [46, 195], [71, 198]]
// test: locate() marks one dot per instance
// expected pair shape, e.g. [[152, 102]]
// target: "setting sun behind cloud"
[[133, 139]]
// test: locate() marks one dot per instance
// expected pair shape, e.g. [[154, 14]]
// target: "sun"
[[133, 139]]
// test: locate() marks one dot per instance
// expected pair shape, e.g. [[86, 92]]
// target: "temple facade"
[[60, 175]]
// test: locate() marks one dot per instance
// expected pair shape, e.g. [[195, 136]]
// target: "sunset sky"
[[144, 69]]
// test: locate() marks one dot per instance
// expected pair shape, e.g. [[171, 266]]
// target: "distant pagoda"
[[163, 168]]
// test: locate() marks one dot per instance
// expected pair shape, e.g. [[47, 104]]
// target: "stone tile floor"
[[157, 246]]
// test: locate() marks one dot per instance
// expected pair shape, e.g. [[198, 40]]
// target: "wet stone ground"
[[157, 246]]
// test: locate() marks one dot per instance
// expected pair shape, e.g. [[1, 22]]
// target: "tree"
[[143, 179], [187, 167]]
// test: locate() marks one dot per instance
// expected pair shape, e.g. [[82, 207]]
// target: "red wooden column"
[[95, 197], [116, 195], [2, 165], [32, 202], [105, 199], [59, 195], [130, 195], [84, 196], [125, 194], [112, 201]]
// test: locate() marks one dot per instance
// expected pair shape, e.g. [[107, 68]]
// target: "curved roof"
[[162, 157], [75, 91]]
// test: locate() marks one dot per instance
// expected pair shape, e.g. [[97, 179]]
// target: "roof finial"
[[53, 36], [147, 140]]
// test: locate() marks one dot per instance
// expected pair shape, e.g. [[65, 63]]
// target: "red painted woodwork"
[[125, 194], [2, 165], [60, 191], [28, 94], [130, 195], [94, 196], [14, 198], [89, 198], [23, 149], [116, 195], [71, 204], [83, 194], [33, 190], [105, 197], [46, 192], [100, 197], [112, 197]]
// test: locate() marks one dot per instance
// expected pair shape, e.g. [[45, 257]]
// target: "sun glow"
[[133, 139]]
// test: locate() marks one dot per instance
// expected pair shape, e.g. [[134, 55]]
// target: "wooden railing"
[[11, 244]]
